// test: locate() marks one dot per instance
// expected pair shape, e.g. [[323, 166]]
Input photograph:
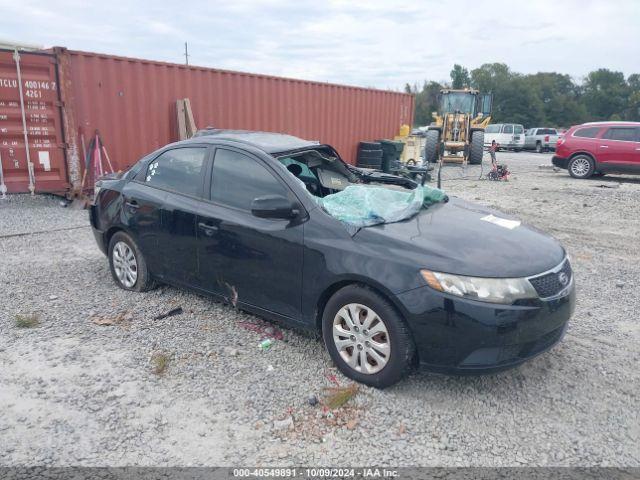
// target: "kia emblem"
[[563, 278]]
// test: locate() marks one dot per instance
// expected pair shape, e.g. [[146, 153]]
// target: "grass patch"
[[336, 397], [159, 362], [29, 320]]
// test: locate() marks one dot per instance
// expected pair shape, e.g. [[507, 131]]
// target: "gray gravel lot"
[[76, 393]]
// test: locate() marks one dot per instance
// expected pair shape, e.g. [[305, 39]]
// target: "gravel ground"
[[73, 392]]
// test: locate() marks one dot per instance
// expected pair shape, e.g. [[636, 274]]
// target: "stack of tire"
[[369, 155]]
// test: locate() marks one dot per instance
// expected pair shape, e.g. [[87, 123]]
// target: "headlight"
[[495, 290]]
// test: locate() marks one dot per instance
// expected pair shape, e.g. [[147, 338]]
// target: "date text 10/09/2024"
[[315, 472]]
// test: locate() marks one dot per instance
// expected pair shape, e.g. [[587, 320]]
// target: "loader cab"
[[458, 102], [484, 104]]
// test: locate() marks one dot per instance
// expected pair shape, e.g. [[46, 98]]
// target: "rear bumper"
[[458, 336], [97, 233], [560, 162]]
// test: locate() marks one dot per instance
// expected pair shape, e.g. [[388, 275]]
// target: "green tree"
[[605, 93], [491, 77], [560, 98], [632, 112], [426, 103], [459, 77]]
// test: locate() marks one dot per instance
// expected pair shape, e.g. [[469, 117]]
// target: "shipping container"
[[32, 104], [70, 94]]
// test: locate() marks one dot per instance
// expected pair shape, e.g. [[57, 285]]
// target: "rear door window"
[[179, 170], [587, 132], [518, 129], [626, 134], [237, 179], [507, 129]]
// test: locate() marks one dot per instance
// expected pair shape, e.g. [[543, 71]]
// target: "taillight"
[[560, 140], [546, 138]]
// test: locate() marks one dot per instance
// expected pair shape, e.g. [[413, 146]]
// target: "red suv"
[[599, 148]]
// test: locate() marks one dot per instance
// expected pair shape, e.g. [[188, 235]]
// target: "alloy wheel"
[[125, 264], [361, 338], [580, 167]]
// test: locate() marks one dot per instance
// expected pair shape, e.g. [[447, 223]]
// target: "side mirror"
[[273, 206]]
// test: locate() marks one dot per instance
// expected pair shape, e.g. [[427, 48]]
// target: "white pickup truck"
[[540, 139]]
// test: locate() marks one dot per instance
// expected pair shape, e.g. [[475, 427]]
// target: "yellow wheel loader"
[[457, 133]]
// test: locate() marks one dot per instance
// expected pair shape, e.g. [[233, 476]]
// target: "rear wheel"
[[128, 265], [431, 146], [581, 166], [366, 337], [538, 147], [477, 148]]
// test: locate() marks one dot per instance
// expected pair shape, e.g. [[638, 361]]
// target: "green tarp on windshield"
[[363, 206]]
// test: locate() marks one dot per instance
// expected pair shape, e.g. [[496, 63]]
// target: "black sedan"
[[457, 288]]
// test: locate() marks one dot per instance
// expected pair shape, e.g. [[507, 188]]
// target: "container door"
[[41, 106]]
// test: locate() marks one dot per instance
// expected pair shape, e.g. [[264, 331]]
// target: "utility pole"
[[186, 54]]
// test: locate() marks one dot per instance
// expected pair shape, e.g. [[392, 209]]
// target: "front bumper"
[[560, 162], [460, 336]]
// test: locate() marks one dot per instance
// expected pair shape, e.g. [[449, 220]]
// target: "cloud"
[[361, 42]]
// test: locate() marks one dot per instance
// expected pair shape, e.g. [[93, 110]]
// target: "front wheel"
[[366, 337], [431, 146], [581, 166], [477, 148], [128, 265]]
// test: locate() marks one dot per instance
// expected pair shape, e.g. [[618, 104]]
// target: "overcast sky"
[[359, 42]]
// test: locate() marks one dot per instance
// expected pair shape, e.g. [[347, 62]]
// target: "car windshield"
[[458, 102]]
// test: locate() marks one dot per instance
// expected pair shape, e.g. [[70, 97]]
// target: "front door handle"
[[208, 229], [604, 146]]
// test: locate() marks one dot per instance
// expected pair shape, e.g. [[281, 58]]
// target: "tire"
[[431, 146], [539, 148], [477, 148], [122, 269], [411, 162], [370, 154], [369, 146], [581, 166], [393, 334]]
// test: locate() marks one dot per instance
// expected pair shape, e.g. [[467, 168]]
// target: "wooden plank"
[[191, 124], [182, 130]]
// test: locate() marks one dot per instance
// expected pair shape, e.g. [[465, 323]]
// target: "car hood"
[[458, 237]]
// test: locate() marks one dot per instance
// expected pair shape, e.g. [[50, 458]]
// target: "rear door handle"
[[208, 230]]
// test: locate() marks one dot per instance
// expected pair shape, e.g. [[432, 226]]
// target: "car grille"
[[550, 284]]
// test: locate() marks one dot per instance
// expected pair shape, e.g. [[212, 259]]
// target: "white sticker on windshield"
[[503, 222]]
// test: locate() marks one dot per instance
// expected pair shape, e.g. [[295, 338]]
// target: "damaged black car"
[[390, 272]]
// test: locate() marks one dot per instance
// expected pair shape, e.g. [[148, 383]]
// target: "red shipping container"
[[132, 103]]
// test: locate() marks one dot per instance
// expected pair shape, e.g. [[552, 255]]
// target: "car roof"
[[270, 142], [612, 122]]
